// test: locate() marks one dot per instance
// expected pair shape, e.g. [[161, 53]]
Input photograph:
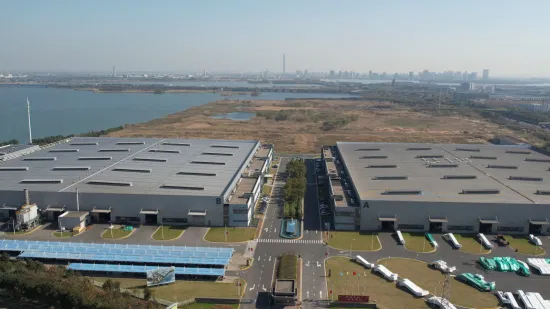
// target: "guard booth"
[[53, 212], [149, 216], [99, 215], [198, 217], [75, 221]]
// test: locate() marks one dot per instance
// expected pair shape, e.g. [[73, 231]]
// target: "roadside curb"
[[117, 237], [158, 228], [26, 233]]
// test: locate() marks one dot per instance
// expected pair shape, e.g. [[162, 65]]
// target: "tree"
[[148, 293]]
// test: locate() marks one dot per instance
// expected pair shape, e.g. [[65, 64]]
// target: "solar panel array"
[[146, 259], [143, 269], [119, 253]]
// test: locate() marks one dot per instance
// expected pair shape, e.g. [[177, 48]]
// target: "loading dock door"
[[387, 223], [198, 218], [436, 224], [486, 225], [149, 216], [101, 215], [535, 226]]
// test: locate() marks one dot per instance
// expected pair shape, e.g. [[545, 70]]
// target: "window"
[[240, 221], [174, 220], [509, 228], [460, 227], [411, 226], [240, 211], [127, 219]]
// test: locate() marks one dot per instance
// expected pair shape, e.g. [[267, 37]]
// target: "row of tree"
[[294, 188], [56, 138], [59, 288]]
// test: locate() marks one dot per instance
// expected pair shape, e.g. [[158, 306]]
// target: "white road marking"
[[307, 264], [307, 294], [270, 258], [265, 229], [263, 288], [259, 258], [252, 288], [275, 230], [318, 264], [321, 294]]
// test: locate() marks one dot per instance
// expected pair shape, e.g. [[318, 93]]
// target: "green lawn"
[[417, 242], [182, 289], [357, 241], [168, 232], [471, 244], [287, 268], [234, 234], [115, 233], [267, 189], [523, 245], [62, 234], [418, 272], [210, 306]]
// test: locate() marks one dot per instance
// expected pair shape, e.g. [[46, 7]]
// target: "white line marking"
[[259, 258], [252, 288]]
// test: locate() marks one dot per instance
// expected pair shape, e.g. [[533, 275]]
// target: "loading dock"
[[486, 225], [101, 215], [387, 223], [198, 217], [535, 226], [436, 224], [149, 216], [53, 212]]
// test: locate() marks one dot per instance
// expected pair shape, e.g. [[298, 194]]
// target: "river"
[[61, 111]]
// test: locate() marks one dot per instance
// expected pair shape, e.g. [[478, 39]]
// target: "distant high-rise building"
[[306, 73], [486, 74], [411, 75], [114, 71], [284, 64], [370, 74], [472, 76], [331, 73]]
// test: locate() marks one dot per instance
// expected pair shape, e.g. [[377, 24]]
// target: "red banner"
[[353, 298]]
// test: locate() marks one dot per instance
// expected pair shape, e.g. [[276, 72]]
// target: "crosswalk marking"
[[292, 241]]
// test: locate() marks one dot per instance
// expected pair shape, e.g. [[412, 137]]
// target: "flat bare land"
[[302, 126]]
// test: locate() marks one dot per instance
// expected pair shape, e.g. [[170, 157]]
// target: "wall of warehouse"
[[413, 216], [124, 205]]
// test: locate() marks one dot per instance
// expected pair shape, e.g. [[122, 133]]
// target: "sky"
[[511, 38]]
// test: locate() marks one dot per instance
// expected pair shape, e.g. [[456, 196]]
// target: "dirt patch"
[[304, 128]]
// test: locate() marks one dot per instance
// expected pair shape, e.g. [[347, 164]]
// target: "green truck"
[[505, 264], [477, 281]]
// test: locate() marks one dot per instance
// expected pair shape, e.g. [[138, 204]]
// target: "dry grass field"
[[304, 128]]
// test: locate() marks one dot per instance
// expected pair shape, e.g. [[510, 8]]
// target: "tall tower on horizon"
[[29, 119], [114, 71], [284, 64]]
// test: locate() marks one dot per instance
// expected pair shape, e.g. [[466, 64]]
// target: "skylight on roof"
[[543, 192], [442, 165], [208, 162], [518, 151], [110, 183], [468, 149], [179, 187], [130, 170], [459, 177], [71, 168], [196, 174], [402, 192], [418, 148], [381, 166], [63, 150], [176, 144], [428, 156], [525, 178], [390, 178], [225, 146], [368, 149], [130, 143], [480, 191], [483, 157], [373, 157], [217, 154], [13, 168], [94, 158], [114, 150], [164, 150], [537, 160], [511, 167], [150, 159], [84, 144], [44, 181], [40, 159]]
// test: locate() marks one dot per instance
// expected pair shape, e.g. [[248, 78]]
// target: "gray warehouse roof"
[[130, 166], [447, 172]]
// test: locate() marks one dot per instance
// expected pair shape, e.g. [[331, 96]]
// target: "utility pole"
[[446, 292], [439, 100], [29, 118]]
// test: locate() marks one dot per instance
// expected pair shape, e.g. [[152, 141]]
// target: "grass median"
[[417, 242], [471, 244], [115, 233], [355, 241], [168, 233], [234, 234], [62, 234], [418, 272], [182, 289], [523, 245]]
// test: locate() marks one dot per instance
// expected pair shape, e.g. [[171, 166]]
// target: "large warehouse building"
[[140, 180], [438, 187]]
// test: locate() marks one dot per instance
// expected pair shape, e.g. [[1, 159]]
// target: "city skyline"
[[245, 36]]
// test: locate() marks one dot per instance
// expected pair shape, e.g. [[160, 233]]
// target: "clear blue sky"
[[508, 37]]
